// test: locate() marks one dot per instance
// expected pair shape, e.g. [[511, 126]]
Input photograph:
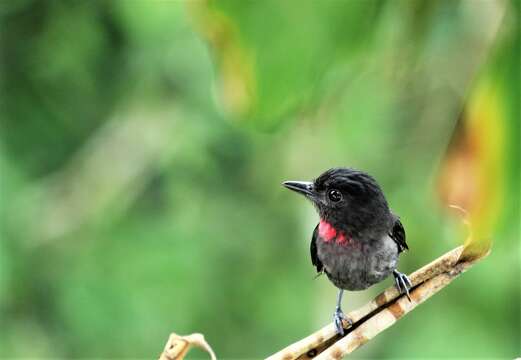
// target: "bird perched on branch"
[[358, 239]]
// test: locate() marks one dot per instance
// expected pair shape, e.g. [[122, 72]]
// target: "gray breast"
[[355, 265]]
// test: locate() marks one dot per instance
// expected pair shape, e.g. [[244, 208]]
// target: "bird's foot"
[[338, 319], [403, 284]]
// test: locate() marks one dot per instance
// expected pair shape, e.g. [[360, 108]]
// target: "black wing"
[[398, 235], [313, 248]]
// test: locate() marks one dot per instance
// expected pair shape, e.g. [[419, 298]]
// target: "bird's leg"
[[403, 284], [338, 315]]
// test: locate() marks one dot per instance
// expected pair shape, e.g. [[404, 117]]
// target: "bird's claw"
[[338, 319], [403, 284]]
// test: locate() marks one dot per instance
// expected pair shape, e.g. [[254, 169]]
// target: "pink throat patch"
[[327, 232]]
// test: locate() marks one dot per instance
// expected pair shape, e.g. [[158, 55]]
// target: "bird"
[[358, 239]]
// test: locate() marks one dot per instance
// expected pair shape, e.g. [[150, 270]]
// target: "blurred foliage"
[[142, 145]]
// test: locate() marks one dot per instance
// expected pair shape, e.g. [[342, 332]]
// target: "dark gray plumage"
[[358, 267], [358, 240]]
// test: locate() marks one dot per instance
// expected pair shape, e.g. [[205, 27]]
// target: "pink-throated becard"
[[358, 239]]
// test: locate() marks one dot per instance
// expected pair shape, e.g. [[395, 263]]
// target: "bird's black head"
[[348, 199]]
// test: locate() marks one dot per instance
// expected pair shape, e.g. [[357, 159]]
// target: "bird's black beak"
[[302, 187]]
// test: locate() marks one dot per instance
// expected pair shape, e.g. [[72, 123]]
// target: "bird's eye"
[[334, 195]]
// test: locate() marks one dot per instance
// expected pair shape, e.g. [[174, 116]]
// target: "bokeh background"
[[143, 144]]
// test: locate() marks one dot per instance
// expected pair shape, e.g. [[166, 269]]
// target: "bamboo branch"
[[380, 313], [368, 321]]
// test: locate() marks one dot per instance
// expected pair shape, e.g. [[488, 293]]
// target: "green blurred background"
[[143, 143]]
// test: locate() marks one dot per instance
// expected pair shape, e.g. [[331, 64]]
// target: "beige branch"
[[368, 321], [380, 313]]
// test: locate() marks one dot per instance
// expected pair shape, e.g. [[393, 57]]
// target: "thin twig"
[[177, 346]]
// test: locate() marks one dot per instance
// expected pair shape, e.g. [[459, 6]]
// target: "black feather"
[[313, 249], [398, 235]]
